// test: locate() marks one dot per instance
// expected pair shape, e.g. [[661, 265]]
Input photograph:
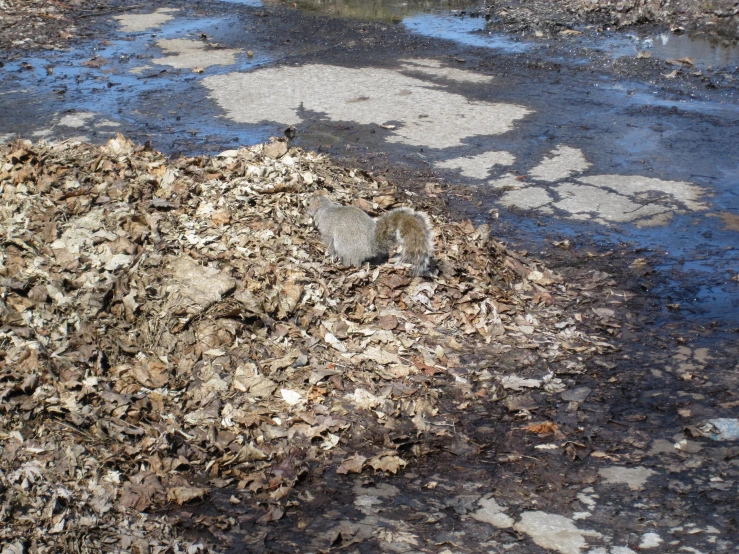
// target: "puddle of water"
[[669, 46], [465, 30], [142, 85], [374, 10], [253, 3], [641, 94], [699, 259]]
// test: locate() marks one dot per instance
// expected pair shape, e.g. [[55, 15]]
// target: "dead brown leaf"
[[390, 463], [181, 495], [352, 464]]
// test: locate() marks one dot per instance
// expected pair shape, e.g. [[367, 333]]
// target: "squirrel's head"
[[317, 200]]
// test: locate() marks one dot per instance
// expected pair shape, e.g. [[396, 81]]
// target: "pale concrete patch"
[[528, 198], [107, 123], [656, 220], [643, 201], [137, 22], [508, 181], [42, 132], [48, 134], [650, 540], [588, 497], [434, 68], [71, 140], [77, 120], [189, 54], [491, 512], [426, 114], [647, 188], [661, 446], [701, 355], [478, 167], [140, 69], [634, 477], [366, 504], [602, 205], [554, 532], [564, 163], [383, 490]]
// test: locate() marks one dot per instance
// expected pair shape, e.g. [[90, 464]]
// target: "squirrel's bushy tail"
[[412, 231]]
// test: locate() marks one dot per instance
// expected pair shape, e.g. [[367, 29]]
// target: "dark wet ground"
[[667, 374], [587, 91], [634, 415]]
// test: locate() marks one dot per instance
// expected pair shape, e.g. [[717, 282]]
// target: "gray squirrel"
[[355, 238]]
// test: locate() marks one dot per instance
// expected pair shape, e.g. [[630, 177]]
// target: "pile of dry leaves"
[[714, 18], [172, 326], [44, 24]]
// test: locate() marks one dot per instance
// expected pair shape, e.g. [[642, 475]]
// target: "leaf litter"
[[173, 326]]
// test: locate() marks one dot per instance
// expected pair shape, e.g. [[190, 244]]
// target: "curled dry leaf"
[[180, 495], [390, 463], [352, 464], [150, 373], [545, 428], [291, 397]]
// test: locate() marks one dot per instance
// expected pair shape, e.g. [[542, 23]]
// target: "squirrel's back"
[[348, 232]]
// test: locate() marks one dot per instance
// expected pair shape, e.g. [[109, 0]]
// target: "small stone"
[[576, 395]]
